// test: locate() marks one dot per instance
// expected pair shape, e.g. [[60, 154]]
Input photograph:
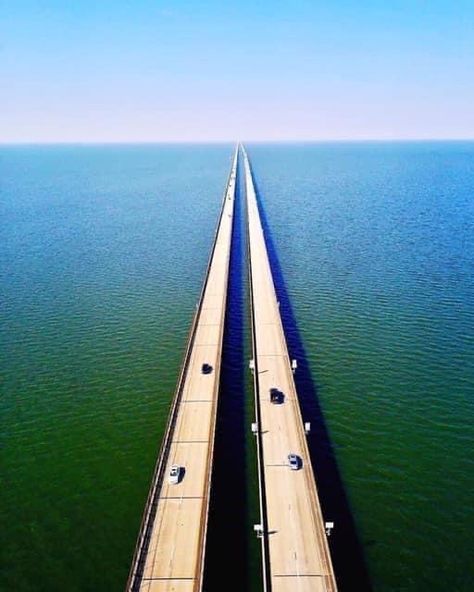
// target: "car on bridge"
[[276, 396], [206, 368], [174, 475], [294, 462]]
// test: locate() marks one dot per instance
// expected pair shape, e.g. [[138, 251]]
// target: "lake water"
[[103, 250]]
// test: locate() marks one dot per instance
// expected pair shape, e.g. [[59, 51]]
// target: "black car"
[[276, 396], [206, 369]]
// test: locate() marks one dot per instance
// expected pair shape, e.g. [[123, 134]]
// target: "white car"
[[175, 473], [294, 461]]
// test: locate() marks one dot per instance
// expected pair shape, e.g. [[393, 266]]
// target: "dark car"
[[206, 369], [276, 396]]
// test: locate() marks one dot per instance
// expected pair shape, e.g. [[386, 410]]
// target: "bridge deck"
[[296, 552], [171, 545]]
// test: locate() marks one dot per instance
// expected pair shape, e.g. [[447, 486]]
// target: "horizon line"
[[228, 141]]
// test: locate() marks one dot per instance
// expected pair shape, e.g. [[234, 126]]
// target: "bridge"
[[170, 550], [169, 555], [295, 549]]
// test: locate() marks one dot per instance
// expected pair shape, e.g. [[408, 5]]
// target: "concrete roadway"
[[298, 553], [175, 554]]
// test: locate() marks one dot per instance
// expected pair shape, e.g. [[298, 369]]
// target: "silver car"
[[294, 461], [175, 474]]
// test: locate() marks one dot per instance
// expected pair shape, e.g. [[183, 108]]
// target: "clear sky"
[[151, 70]]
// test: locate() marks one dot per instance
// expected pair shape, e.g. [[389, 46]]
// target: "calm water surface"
[[102, 258]]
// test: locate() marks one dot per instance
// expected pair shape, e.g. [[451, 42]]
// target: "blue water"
[[376, 248], [102, 258]]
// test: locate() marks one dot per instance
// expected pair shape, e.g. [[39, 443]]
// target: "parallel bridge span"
[[295, 549]]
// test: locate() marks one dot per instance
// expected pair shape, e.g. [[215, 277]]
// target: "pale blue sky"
[[142, 70]]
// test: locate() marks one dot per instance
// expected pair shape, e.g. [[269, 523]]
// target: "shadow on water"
[[228, 505], [346, 550]]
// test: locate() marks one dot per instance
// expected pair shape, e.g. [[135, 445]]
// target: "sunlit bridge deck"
[[294, 543], [171, 545]]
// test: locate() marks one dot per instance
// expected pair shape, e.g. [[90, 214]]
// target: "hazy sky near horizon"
[[143, 70]]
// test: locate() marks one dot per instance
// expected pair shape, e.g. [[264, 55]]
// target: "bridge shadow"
[[345, 546], [227, 535]]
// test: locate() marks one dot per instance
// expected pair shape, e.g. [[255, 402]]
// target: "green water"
[[104, 251], [102, 259]]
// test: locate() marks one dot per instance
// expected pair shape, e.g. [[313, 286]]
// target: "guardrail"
[[141, 548]]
